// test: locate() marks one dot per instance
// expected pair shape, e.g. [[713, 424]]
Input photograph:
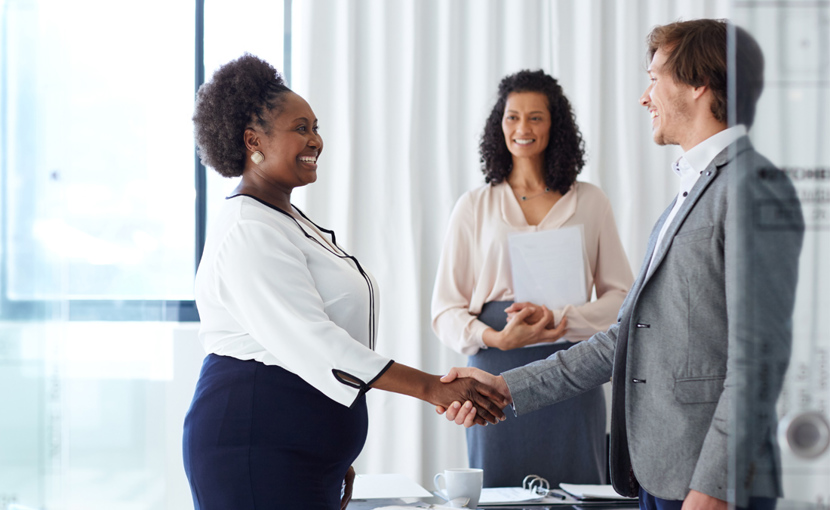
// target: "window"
[[103, 208], [103, 215]]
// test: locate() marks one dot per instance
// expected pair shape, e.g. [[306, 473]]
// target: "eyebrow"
[[517, 111], [304, 119]]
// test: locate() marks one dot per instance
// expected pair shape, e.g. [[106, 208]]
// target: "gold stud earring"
[[257, 157]]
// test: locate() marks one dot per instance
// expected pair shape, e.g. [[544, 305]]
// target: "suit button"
[[643, 326], [685, 193], [619, 320]]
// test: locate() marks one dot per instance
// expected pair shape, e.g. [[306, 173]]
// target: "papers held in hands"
[[548, 267]]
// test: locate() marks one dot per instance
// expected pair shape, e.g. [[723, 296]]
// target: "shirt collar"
[[698, 157]]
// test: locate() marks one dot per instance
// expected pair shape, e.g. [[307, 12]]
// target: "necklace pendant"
[[525, 197]]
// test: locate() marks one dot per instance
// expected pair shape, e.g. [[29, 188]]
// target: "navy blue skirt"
[[564, 442], [259, 437]]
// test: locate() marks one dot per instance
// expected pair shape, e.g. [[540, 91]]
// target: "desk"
[[372, 504]]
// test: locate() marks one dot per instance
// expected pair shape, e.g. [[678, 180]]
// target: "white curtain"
[[402, 89]]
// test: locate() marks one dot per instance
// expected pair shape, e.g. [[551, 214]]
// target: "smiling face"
[[669, 103], [526, 124], [291, 148]]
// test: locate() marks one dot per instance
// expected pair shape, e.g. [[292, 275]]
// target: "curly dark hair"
[[237, 97], [565, 153]]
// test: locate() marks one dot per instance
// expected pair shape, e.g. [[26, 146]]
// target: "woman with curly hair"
[[288, 318], [531, 154]]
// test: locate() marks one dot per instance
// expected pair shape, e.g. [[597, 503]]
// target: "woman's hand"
[[533, 318], [400, 378], [466, 414], [347, 491], [526, 326], [485, 400]]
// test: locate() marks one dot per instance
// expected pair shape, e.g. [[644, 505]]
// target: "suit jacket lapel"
[[709, 174]]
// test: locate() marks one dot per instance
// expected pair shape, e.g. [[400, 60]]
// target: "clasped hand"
[[527, 324], [484, 399], [467, 414]]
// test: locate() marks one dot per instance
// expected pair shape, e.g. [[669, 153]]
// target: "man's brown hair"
[[697, 55]]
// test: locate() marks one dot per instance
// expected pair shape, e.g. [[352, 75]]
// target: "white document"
[[548, 267], [433, 507], [506, 495], [387, 486], [591, 491]]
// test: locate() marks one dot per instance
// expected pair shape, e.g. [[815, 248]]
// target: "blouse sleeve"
[[265, 284], [455, 281], [612, 279]]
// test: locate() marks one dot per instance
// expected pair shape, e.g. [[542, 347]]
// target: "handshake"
[[527, 324], [471, 396]]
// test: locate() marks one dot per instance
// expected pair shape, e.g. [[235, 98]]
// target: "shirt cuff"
[[558, 315], [477, 329]]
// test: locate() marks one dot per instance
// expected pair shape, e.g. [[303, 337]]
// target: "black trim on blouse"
[[338, 374]]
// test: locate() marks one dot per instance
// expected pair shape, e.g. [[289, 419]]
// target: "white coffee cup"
[[461, 483]]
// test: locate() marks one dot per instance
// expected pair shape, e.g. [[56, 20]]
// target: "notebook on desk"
[[536, 490], [586, 492]]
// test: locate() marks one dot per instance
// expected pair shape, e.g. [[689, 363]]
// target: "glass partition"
[[97, 213], [792, 130]]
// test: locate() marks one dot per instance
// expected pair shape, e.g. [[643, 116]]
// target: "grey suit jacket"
[[708, 326]]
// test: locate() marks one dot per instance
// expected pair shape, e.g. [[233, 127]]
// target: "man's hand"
[[699, 501], [400, 378], [484, 399], [466, 414], [520, 332]]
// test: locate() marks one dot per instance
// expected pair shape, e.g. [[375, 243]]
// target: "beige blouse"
[[475, 262]]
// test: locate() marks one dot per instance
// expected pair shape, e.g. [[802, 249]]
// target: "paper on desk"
[[506, 495], [548, 267], [591, 491], [387, 486], [433, 507]]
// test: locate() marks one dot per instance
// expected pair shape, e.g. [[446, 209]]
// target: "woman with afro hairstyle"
[[288, 317], [531, 154]]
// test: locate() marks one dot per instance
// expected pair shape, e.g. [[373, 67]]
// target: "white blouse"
[[475, 263], [267, 292]]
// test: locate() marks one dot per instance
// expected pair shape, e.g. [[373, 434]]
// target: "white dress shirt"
[[690, 166], [267, 292]]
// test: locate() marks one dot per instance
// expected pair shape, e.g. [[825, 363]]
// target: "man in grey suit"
[[702, 340]]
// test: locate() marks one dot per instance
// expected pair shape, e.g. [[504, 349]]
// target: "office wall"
[[402, 90]]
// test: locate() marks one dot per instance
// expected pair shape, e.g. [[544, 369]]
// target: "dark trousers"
[[649, 502]]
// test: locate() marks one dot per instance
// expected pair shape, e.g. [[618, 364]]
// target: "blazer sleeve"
[[612, 279], [761, 263], [564, 374], [272, 295], [455, 282]]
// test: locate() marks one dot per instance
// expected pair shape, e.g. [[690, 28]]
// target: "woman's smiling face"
[[526, 124], [292, 145]]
